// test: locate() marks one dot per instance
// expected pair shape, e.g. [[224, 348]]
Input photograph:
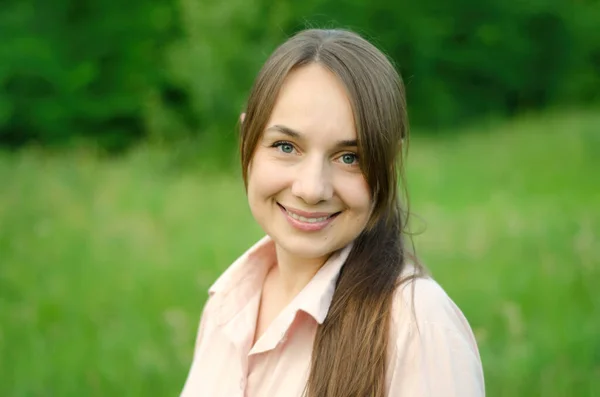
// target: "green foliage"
[[465, 59], [79, 68], [172, 70], [105, 265]]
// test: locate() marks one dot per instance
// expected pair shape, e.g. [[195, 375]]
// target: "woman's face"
[[305, 185]]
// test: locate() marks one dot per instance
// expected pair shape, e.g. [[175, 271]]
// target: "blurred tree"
[[177, 69], [464, 59], [79, 68]]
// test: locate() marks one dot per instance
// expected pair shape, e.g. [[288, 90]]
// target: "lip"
[[308, 226], [307, 214]]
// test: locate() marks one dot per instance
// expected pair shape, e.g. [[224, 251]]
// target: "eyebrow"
[[297, 135]]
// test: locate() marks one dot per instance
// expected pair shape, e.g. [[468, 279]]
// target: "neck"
[[292, 273]]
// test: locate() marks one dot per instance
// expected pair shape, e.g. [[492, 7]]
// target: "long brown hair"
[[350, 349]]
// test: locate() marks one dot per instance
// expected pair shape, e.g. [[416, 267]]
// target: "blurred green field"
[[104, 265]]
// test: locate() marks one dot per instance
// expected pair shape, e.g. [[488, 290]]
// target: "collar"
[[244, 279]]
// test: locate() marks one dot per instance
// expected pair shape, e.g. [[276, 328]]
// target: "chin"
[[308, 247]]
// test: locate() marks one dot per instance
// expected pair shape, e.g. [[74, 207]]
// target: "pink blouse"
[[433, 353]]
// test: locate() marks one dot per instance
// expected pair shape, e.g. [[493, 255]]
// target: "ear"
[[242, 117]]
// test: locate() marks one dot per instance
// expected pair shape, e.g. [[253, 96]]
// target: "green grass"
[[104, 265]]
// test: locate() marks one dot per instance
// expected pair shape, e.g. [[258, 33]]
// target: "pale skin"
[[305, 185], [278, 290]]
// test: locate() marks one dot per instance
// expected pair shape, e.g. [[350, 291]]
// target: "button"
[[242, 383]]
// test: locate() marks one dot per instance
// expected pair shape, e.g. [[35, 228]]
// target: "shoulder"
[[434, 351], [423, 302], [422, 308]]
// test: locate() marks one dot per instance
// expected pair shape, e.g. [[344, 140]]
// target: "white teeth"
[[309, 220]]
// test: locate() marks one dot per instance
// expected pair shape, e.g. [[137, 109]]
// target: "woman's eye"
[[285, 147], [349, 158]]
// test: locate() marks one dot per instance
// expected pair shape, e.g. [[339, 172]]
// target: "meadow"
[[105, 264]]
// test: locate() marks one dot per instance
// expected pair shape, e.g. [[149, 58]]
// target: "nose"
[[312, 182]]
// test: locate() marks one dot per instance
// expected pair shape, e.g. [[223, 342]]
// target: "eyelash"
[[279, 144]]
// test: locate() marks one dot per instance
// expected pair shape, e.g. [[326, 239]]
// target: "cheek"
[[256, 198], [265, 178], [357, 196]]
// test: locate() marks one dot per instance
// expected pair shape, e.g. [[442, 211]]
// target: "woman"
[[328, 304]]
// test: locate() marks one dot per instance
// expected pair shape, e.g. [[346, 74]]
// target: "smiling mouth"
[[307, 219]]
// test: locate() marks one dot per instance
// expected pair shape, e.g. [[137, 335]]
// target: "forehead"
[[314, 101]]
